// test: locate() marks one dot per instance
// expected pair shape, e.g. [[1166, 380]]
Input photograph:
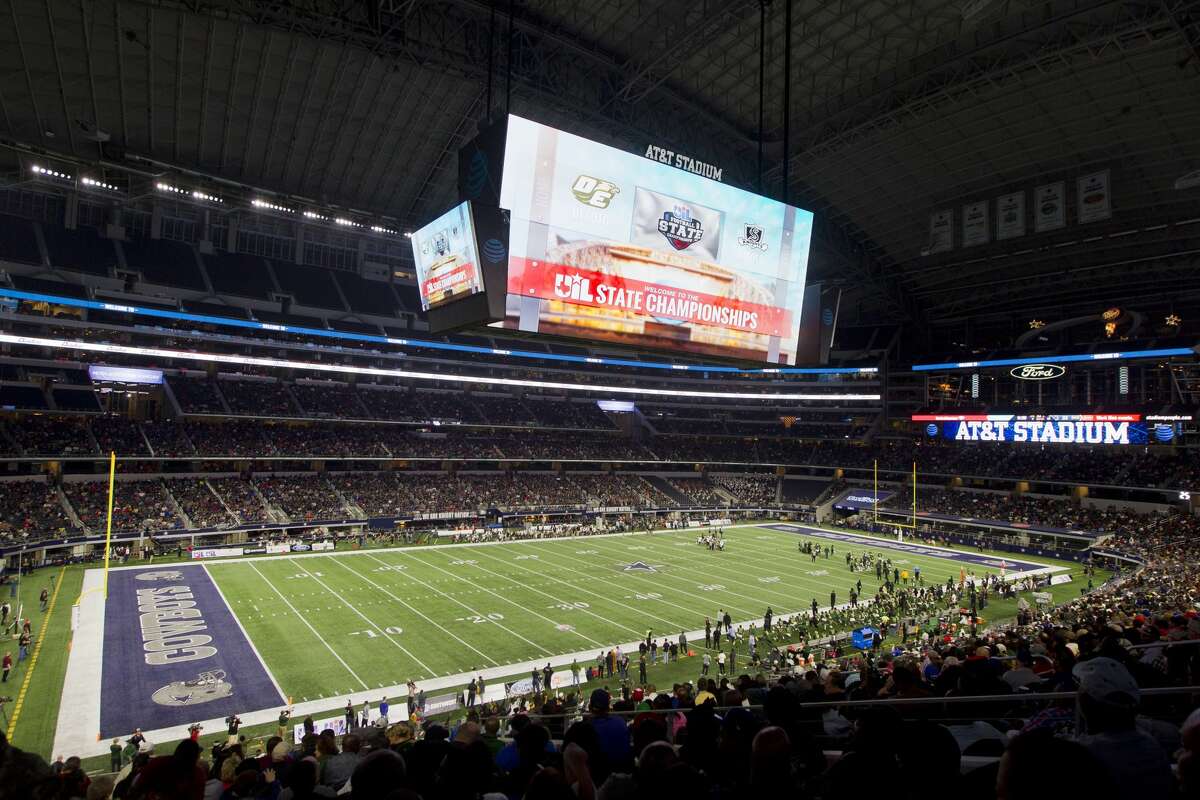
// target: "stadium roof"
[[899, 108]]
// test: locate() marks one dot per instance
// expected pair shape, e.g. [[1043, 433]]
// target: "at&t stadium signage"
[[1048, 429], [1037, 372], [664, 156]]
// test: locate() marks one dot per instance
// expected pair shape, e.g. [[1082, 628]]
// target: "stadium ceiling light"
[[349, 223], [344, 369], [315, 215], [381, 229], [95, 184], [269, 206], [49, 173], [210, 198]]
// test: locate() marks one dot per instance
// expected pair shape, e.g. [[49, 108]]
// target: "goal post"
[[103, 587]]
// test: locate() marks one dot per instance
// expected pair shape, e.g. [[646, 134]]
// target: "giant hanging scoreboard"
[[606, 245]]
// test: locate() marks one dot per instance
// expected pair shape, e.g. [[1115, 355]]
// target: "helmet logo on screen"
[[594, 192], [752, 236], [680, 229]]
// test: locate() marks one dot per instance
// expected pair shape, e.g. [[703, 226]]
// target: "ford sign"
[[1037, 372]]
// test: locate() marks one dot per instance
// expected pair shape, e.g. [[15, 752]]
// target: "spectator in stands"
[[1108, 703]]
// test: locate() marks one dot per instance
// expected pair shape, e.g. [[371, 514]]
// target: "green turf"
[[381, 618], [521, 591], [33, 728]]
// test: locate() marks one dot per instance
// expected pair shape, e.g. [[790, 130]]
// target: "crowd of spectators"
[[259, 398], [302, 497], [697, 492], [750, 489], [198, 501], [241, 498], [138, 505], [31, 509], [91, 435], [42, 435], [196, 395], [120, 435]]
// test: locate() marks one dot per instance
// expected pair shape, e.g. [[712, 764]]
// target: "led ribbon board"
[[323, 333], [343, 369], [1086, 429]]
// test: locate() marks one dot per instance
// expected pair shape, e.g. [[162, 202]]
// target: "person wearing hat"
[[1108, 701]]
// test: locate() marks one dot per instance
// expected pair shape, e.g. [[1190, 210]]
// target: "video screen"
[[445, 257], [1086, 429], [607, 245]]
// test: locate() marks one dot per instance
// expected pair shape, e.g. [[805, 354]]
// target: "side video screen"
[[446, 261]]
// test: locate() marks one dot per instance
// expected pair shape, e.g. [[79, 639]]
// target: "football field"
[[194, 642]]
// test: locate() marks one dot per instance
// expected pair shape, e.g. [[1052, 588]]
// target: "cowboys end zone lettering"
[[1046, 431], [173, 653]]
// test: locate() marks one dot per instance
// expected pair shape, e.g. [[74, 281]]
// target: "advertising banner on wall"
[[1010, 216], [941, 231], [1095, 200], [607, 245], [975, 224], [1049, 207]]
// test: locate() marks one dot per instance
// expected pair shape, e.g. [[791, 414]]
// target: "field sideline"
[[323, 627]]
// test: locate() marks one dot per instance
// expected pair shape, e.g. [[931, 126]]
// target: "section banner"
[[576, 286]]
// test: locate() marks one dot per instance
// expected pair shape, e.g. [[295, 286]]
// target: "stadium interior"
[[458, 399]]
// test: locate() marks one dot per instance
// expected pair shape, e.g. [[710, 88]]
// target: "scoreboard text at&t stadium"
[[1040, 429]]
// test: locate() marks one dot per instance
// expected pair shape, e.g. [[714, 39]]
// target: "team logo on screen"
[[752, 236], [594, 192], [680, 229], [204, 688]]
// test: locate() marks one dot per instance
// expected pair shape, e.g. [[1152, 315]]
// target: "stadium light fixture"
[[266, 205], [346, 222], [92, 183], [159, 353], [315, 215], [46, 172]]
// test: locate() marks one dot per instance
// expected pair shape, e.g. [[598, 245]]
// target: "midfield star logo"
[[752, 236], [639, 566], [679, 228]]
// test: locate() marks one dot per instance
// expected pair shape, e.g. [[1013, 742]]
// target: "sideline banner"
[[216, 552]]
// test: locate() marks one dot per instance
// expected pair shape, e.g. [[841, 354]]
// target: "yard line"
[[658, 589], [458, 579], [310, 627], [579, 588], [246, 636], [669, 576], [367, 620], [339, 562], [552, 597], [717, 569]]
